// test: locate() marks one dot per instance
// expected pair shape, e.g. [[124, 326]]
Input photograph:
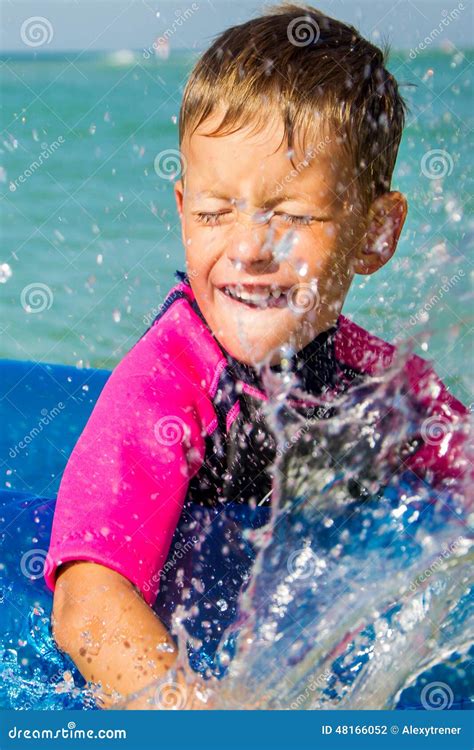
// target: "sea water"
[[96, 223]]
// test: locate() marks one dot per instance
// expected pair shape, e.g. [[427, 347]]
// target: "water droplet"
[[285, 245], [301, 268], [5, 273]]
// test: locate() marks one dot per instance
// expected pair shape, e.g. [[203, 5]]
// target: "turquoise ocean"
[[90, 237]]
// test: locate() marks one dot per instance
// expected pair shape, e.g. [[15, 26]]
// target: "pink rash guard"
[[162, 419]]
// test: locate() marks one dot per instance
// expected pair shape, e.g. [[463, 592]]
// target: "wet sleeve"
[[445, 453], [124, 486]]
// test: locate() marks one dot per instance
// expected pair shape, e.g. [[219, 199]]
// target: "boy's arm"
[[111, 634]]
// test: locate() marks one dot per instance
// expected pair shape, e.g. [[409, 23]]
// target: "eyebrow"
[[269, 204]]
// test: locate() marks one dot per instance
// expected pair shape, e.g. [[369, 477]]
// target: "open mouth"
[[256, 297]]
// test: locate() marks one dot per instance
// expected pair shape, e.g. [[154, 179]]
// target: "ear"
[[385, 220], [179, 196]]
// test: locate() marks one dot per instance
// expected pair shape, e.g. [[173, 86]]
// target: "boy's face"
[[270, 250]]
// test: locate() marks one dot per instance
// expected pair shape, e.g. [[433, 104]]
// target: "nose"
[[251, 246]]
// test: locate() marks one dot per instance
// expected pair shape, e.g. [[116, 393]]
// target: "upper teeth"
[[253, 296]]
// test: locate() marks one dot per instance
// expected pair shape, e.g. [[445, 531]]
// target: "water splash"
[[360, 595], [352, 591]]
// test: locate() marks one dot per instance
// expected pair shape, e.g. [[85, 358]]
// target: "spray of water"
[[362, 578]]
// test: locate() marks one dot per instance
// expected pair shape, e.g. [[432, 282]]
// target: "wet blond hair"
[[318, 73]]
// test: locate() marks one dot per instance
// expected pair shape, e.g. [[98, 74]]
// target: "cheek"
[[351, 233], [195, 248], [203, 246], [316, 255]]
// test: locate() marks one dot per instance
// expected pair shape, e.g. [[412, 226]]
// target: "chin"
[[254, 352]]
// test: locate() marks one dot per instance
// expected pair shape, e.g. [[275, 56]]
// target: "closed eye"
[[210, 218], [213, 218], [295, 218]]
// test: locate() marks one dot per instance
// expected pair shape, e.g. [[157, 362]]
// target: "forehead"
[[257, 156]]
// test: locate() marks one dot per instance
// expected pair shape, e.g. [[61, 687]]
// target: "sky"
[[92, 25]]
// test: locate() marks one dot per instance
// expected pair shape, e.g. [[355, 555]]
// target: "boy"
[[289, 130]]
